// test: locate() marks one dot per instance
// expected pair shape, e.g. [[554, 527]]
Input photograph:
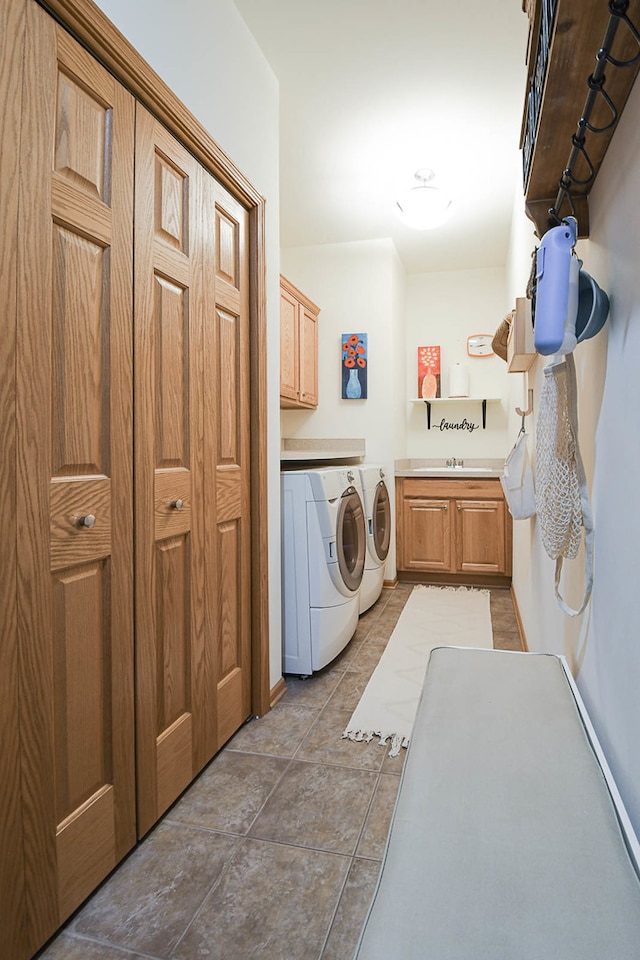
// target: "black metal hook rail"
[[596, 84]]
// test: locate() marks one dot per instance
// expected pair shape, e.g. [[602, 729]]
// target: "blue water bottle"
[[557, 270]]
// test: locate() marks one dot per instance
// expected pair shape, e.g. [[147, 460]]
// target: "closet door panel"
[[228, 465], [70, 500], [12, 893], [74, 416], [169, 475]]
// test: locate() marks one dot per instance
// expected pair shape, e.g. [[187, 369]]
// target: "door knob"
[[176, 504], [87, 521]]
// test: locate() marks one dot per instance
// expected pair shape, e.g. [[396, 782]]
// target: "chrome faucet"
[[453, 462]]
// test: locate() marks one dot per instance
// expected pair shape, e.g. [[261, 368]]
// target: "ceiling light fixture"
[[425, 206]]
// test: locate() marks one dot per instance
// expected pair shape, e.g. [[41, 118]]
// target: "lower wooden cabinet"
[[456, 530]]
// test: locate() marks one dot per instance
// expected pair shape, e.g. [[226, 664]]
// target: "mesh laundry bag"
[[562, 497]]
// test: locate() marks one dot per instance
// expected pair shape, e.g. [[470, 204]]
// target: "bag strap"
[[587, 516]]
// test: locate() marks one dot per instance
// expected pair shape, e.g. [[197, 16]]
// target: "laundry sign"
[[465, 425]]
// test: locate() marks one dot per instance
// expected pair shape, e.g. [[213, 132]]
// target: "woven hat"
[[501, 337]]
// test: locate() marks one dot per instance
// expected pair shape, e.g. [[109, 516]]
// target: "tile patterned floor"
[[275, 850]]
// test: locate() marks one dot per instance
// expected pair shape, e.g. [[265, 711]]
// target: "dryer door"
[[381, 521], [351, 538]]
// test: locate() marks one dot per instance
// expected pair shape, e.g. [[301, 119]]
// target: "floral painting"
[[354, 366], [428, 372]]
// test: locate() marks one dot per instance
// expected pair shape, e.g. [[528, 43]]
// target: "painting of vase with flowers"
[[354, 366], [428, 372]]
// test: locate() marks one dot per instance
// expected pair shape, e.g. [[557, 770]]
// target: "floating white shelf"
[[483, 400]]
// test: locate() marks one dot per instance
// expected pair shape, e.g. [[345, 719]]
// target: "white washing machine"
[[323, 557], [377, 511]]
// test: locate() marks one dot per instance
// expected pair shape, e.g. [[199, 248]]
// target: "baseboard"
[[277, 692], [523, 639], [454, 579], [390, 584]]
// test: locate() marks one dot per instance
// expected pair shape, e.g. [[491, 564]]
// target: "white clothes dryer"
[[377, 510], [323, 558]]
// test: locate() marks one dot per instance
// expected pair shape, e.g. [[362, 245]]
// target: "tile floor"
[[274, 851]]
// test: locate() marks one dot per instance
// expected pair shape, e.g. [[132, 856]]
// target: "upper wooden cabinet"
[[564, 38], [298, 348]]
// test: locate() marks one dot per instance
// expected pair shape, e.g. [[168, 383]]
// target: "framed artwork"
[[428, 372], [354, 366]]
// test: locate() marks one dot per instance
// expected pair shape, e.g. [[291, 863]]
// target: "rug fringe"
[[461, 588], [397, 740]]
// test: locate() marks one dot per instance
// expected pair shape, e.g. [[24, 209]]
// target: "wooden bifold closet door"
[[191, 467], [131, 635], [74, 474]]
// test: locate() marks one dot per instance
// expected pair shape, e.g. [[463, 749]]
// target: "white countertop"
[[438, 468], [294, 449]]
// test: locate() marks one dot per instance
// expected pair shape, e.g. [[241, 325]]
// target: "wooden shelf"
[[576, 37], [455, 400], [483, 400], [521, 351]]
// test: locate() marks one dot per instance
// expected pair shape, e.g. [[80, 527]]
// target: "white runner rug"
[[432, 617]]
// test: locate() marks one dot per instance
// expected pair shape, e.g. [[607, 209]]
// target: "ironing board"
[[507, 842]]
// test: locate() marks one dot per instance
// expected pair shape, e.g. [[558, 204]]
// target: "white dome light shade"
[[424, 207]]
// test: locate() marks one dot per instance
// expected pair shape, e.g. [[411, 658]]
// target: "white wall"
[[444, 309], [603, 644], [205, 53], [359, 288]]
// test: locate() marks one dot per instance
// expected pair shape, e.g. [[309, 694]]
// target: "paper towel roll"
[[459, 380]]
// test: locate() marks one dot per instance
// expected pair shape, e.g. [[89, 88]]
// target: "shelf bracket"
[[427, 404]]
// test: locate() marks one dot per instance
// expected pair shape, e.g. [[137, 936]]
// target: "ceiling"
[[372, 90]]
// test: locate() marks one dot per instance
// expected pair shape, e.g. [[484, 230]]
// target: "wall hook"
[[529, 410], [617, 9], [598, 87]]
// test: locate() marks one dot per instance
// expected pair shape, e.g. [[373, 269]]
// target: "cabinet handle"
[[87, 521], [176, 504], [459, 506], [446, 506]]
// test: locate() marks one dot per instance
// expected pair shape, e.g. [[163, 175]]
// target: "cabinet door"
[[169, 463], [308, 357], [480, 536], [289, 347], [426, 535], [74, 496]]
